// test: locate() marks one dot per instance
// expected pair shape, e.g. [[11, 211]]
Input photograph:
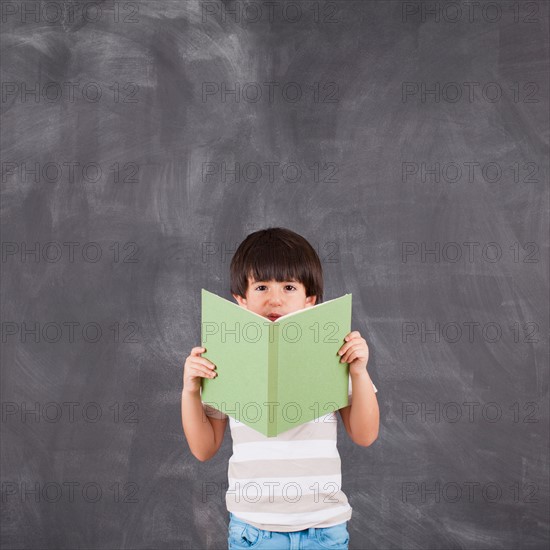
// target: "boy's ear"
[[241, 301], [310, 301]]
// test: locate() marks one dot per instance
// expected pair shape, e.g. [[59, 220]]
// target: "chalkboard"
[[142, 141]]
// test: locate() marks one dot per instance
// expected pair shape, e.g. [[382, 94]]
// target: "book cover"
[[274, 376]]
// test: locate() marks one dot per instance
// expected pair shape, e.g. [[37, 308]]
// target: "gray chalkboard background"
[[142, 141]]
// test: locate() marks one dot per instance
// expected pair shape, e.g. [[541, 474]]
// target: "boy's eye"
[[287, 287]]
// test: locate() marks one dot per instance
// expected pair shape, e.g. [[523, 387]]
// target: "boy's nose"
[[275, 299]]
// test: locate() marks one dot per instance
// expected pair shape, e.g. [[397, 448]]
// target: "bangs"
[[278, 262], [276, 254]]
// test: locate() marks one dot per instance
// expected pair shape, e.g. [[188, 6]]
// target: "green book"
[[274, 376]]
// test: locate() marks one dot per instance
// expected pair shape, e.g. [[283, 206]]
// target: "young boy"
[[285, 491]]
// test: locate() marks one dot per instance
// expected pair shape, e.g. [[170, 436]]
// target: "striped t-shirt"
[[289, 482]]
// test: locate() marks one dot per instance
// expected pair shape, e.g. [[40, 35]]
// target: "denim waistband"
[[267, 533]]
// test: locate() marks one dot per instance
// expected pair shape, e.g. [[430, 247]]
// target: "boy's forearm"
[[364, 413], [196, 426]]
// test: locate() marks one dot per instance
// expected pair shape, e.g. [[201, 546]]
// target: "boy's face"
[[272, 299]]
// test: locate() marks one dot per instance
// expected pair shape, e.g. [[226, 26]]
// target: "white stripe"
[[292, 519], [278, 450], [253, 488], [325, 418]]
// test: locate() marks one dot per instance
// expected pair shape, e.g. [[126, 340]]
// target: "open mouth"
[[273, 317]]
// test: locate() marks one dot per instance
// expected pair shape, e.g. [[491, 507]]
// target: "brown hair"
[[280, 254]]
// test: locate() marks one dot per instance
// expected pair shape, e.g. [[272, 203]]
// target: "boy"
[[284, 492]]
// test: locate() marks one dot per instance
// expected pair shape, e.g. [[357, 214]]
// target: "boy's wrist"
[[360, 374], [190, 392]]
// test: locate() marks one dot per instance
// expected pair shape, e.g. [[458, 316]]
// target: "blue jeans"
[[243, 536]]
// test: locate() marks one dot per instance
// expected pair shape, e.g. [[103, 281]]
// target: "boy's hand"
[[195, 368], [355, 352]]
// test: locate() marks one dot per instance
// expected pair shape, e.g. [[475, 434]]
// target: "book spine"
[[273, 410]]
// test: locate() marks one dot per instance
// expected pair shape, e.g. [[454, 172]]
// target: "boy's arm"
[[204, 434], [362, 418]]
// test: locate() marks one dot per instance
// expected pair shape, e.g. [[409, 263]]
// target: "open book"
[[274, 376]]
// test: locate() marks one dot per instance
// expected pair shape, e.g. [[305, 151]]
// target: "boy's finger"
[[204, 362], [206, 373], [197, 354], [346, 350]]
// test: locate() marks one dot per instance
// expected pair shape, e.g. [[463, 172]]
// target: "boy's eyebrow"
[[289, 281]]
